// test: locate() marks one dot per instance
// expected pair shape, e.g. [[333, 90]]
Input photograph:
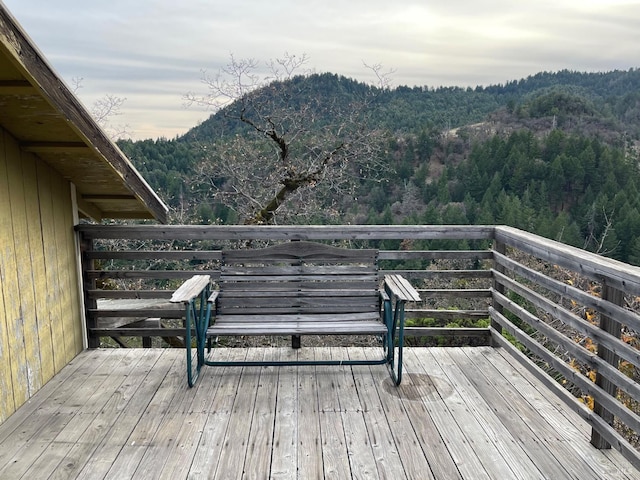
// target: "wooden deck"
[[461, 413]]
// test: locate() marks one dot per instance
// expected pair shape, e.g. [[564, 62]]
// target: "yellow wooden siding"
[[52, 279], [19, 187], [41, 325], [8, 354], [40, 304]]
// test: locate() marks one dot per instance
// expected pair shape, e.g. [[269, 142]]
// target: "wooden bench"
[[296, 289]]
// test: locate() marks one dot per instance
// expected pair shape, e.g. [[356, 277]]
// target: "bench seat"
[[303, 324], [295, 289]]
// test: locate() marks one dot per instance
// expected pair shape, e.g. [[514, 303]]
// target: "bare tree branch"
[[288, 149]]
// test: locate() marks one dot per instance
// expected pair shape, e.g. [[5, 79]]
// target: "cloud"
[[152, 52]]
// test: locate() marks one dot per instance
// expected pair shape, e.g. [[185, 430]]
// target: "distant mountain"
[[555, 153], [409, 109]]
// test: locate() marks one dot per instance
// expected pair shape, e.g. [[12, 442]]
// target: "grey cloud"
[[152, 52]]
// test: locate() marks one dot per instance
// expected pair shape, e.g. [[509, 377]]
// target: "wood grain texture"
[[190, 289], [52, 294], [289, 232], [15, 252], [8, 294], [464, 413], [38, 341]]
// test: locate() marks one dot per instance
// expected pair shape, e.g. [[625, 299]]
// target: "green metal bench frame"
[[200, 303]]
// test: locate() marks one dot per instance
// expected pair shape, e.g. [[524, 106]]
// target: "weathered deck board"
[[463, 413], [284, 458], [527, 425]]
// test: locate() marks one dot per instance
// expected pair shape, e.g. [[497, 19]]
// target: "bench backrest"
[[297, 278]]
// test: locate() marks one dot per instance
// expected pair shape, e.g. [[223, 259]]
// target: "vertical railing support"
[[501, 248], [89, 303], [613, 327]]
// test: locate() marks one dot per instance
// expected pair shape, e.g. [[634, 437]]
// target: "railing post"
[[613, 327], [501, 248], [89, 303]]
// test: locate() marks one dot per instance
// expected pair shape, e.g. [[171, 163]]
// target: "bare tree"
[[289, 151], [104, 110], [600, 232]]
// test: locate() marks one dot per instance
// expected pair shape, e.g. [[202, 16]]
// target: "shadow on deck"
[[460, 413]]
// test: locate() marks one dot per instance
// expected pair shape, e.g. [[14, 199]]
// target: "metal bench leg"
[[387, 341], [192, 375], [395, 364], [198, 319]]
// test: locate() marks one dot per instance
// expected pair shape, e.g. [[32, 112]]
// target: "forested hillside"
[[555, 153]]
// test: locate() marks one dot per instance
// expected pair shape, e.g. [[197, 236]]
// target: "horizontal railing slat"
[[287, 232], [619, 275], [129, 294], [152, 255], [597, 334], [148, 274], [627, 416], [579, 352], [623, 315]]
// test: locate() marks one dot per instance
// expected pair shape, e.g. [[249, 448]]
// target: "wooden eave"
[[46, 118]]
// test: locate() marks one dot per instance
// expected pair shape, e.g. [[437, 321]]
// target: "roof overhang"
[[47, 119]]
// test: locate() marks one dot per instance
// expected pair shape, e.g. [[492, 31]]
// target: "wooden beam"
[[132, 215], [290, 232], [89, 210], [619, 275], [54, 147], [16, 45], [107, 198], [17, 87]]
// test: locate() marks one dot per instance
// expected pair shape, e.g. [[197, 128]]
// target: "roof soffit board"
[[67, 111]]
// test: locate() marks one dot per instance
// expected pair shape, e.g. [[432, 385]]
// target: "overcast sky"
[[153, 51]]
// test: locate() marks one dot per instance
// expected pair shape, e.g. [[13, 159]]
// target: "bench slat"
[[362, 277], [267, 320], [293, 299], [257, 291], [276, 271], [311, 327], [231, 287], [297, 251], [293, 310]]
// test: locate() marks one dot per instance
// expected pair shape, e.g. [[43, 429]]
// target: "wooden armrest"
[[214, 296], [384, 295], [190, 289], [401, 288]]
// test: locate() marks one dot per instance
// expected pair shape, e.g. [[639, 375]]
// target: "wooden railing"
[[570, 311]]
